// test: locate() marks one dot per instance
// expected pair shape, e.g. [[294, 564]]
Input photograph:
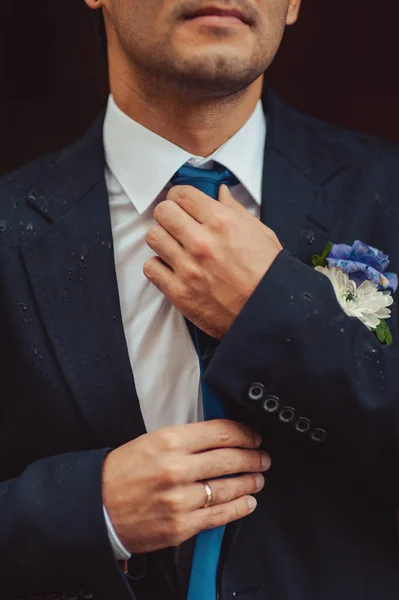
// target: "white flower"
[[365, 302]]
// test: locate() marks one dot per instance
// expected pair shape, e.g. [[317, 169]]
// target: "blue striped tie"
[[208, 544]]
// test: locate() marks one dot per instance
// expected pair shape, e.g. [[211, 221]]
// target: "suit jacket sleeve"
[[52, 529], [312, 375]]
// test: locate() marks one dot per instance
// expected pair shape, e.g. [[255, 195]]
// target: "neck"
[[199, 126]]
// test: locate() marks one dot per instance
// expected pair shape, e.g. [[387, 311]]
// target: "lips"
[[214, 11]]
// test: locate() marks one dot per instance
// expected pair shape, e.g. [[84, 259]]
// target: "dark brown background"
[[340, 62]]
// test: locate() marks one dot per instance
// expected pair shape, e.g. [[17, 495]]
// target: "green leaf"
[[383, 333], [380, 333], [320, 260], [388, 337]]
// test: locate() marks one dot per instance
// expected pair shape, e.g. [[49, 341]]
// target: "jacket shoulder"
[[16, 217], [349, 143], [57, 176], [16, 186]]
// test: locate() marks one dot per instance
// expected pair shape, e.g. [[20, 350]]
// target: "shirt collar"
[[144, 162]]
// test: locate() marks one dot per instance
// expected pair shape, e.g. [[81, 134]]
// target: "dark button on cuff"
[[287, 415], [303, 425], [256, 392], [271, 404], [319, 435]]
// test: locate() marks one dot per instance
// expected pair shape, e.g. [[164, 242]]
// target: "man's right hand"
[[152, 486]]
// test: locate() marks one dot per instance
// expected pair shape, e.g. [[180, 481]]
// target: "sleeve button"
[[303, 425], [256, 392], [319, 435], [287, 414], [271, 404]]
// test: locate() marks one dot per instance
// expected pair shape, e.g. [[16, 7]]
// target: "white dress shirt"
[[140, 165]]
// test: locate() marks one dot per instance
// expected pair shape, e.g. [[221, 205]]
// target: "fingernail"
[[251, 503], [265, 460], [258, 439], [259, 482]]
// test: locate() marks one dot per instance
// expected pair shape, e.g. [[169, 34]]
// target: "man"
[[122, 278]]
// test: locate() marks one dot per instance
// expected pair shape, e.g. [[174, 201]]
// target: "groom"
[[124, 473]]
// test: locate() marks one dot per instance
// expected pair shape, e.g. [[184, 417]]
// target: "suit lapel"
[[72, 273], [296, 204], [298, 169]]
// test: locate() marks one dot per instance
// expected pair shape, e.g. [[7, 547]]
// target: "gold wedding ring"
[[209, 494]]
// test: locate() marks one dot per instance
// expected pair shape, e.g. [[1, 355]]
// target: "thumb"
[[227, 199]]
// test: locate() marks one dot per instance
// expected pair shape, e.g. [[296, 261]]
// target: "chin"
[[224, 69], [204, 84], [212, 63]]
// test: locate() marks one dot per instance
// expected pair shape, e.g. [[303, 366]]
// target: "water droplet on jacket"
[[29, 226], [309, 235], [22, 306], [307, 296], [3, 225], [37, 354]]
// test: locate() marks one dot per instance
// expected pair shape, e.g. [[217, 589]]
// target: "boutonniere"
[[360, 281]]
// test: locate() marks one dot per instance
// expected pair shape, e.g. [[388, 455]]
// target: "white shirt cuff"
[[119, 549]]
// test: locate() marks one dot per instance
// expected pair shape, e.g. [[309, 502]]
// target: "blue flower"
[[362, 262]]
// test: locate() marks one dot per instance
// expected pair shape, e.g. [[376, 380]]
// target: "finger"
[[160, 275], [226, 199], [208, 435], [194, 202], [223, 490], [164, 245], [177, 222], [226, 461], [221, 514]]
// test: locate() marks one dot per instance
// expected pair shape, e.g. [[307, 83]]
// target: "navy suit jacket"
[[319, 386]]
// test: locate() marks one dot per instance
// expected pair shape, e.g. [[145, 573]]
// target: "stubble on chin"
[[208, 75]]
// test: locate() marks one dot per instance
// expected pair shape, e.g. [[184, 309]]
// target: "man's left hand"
[[210, 256]]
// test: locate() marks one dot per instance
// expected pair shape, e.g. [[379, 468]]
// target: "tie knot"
[[205, 180]]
